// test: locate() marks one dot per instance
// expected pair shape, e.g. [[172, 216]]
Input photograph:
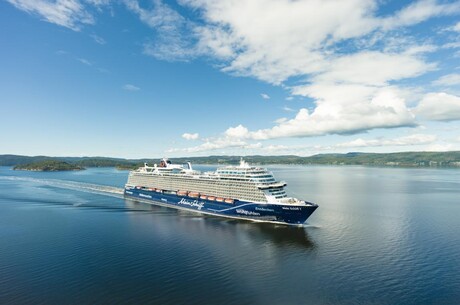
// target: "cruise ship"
[[242, 191]]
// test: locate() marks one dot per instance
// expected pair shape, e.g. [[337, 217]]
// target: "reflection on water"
[[285, 236], [278, 235]]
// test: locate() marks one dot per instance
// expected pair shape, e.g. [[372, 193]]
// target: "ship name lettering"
[[194, 203]]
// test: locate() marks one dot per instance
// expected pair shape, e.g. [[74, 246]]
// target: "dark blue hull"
[[289, 214]]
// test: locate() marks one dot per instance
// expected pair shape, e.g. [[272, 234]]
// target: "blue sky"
[[156, 78]]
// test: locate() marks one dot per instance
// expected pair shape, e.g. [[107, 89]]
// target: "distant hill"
[[48, 165], [405, 159]]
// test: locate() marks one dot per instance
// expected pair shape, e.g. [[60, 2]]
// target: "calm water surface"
[[380, 236]]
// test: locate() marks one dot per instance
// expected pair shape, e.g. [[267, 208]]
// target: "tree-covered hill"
[[406, 159], [48, 165]]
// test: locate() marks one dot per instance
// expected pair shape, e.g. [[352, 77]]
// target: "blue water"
[[380, 236]]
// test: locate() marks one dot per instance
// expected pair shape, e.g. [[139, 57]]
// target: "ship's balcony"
[[272, 185]]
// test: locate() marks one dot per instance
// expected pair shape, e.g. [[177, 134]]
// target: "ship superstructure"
[[229, 185]]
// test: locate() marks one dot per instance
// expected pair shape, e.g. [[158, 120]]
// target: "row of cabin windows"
[[246, 193]]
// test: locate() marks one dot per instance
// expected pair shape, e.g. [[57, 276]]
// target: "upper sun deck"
[[245, 172], [242, 172]]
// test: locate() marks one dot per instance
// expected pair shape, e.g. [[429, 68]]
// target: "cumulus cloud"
[[439, 107], [190, 136], [130, 87], [363, 108], [71, 14]]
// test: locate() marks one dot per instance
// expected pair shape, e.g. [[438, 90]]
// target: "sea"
[[380, 236]]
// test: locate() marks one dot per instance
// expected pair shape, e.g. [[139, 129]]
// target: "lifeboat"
[[182, 193], [193, 194], [220, 199], [158, 190], [138, 187], [152, 189], [211, 198], [203, 197], [228, 200]]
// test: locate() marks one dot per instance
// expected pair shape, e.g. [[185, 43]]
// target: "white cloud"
[[225, 143], [190, 136], [273, 40], [345, 109], [457, 27], [415, 139], [68, 13], [99, 2], [448, 80], [286, 108], [281, 120], [420, 11], [351, 95], [237, 132], [439, 107], [211, 145], [372, 68], [276, 39], [218, 144], [173, 39], [265, 96], [130, 87], [451, 45]]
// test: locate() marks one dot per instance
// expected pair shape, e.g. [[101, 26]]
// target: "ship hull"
[[265, 212]]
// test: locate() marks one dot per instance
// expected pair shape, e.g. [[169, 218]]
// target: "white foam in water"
[[79, 186]]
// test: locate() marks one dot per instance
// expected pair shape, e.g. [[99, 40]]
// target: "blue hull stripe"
[[288, 214]]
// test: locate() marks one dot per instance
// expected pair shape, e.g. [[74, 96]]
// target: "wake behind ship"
[[243, 192]]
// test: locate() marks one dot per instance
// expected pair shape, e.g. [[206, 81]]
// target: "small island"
[[48, 166]]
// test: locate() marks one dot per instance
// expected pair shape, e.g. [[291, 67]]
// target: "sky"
[[138, 79]]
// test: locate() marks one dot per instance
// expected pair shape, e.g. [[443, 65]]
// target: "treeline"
[[14, 160], [423, 159], [48, 166]]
